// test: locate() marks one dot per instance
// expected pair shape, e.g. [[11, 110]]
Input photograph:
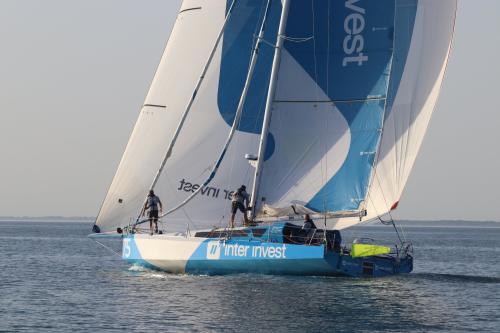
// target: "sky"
[[74, 74]]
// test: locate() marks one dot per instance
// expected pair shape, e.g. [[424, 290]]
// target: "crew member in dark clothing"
[[309, 228], [151, 205], [240, 200], [308, 223]]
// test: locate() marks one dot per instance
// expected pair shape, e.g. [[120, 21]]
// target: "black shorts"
[[237, 205], [153, 214]]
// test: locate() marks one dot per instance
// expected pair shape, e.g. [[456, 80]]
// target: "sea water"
[[55, 279]]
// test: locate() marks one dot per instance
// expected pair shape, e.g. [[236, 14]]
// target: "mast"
[[270, 97]]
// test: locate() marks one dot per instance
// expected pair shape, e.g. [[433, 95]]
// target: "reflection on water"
[[55, 279]]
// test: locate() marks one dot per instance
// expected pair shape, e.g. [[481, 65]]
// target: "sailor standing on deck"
[[239, 201], [152, 203]]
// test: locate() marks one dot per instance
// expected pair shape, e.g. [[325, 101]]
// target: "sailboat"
[[319, 106]]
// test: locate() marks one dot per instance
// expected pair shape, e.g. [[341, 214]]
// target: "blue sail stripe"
[[340, 193], [350, 59], [236, 51], [347, 189]]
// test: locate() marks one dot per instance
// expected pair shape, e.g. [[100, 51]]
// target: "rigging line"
[[408, 140], [403, 165], [324, 158], [107, 248], [298, 39], [237, 118], [385, 201], [382, 123], [400, 227], [255, 35], [227, 204], [323, 176], [248, 177], [328, 49], [389, 213], [220, 221], [336, 101], [193, 97], [404, 151], [314, 51], [190, 221], [269, 103], [391, 222], [398, 144]]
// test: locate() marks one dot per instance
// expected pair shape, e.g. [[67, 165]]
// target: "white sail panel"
[[156, 124], [412, 106], [208, 123]]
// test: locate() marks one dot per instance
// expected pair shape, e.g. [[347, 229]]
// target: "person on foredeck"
[[151, 205], [240, 200]]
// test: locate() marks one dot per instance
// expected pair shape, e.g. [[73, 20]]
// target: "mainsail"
[[357, 83]]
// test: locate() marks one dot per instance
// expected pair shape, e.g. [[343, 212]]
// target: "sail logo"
[[213, 250], [354, 42]]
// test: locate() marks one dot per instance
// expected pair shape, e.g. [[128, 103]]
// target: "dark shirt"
[[241, 196], [152, 203], [309, 224]]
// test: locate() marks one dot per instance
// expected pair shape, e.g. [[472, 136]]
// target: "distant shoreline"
[[47, 219], [90, 219]]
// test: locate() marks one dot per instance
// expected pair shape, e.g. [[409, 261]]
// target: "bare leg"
[[151, 225], [231, 225], [156, 225]]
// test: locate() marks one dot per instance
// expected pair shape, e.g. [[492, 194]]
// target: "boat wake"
[[146, 272], [138, 268], [457, 277], [151, 273]]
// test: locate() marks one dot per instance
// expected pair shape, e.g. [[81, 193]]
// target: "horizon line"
[[93, 218]]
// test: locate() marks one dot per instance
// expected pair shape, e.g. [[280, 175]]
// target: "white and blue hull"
[[196, 255]]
